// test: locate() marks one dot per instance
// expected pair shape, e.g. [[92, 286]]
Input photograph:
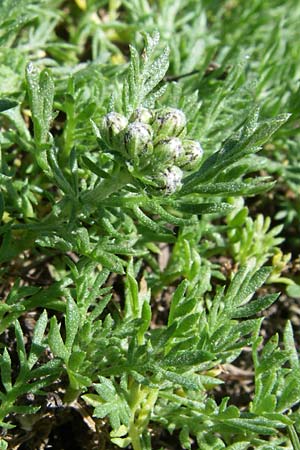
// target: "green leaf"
[[56, 343], [160, 340], [187, 358], [290, 347], [155, 72], [146, 221], [76, 359], [21, 350], [255, 306], [246, 142], [105, 389], [40, 88], [2, 203], [72, 323], [41, 92], [187, 381], [256, 425], [275, 360], [92, 399], [145, 74], [3, 443], [110, 261], [232, 188], [36, 346], [99, 308], [58, 175], [94, 167], [26, 409], [187, 324], [293, 290], [177, 298], [239, 446], [115, 405], [5, 366], [204, 208], [265, 129], [290, 395], [294, 437], [243, 286], [6, 103], [52, 368], [46, 90], [132, 306], [78, 381]]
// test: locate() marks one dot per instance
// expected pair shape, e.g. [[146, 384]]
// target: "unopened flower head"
[[170, 122], [138, 139], [112, 125], [169, 150], [142, 115], [192, 155], [172, 180]]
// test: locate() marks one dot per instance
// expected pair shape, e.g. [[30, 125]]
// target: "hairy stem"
[[106, 188], [143, 401]]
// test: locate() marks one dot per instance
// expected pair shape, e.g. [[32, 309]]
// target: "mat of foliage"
[[149, 236]]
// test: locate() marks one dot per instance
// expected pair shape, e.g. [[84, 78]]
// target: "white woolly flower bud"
[[169, 122], [111, 126], [138, 139], [192, 156], [169, 150], [142, 115], [172, 180]]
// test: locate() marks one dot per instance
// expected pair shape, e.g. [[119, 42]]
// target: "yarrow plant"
[[153, 145], [135, 273]]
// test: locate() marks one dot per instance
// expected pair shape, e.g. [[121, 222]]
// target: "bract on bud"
[[172, 180], [142, 115], [169, 122], [192, 155], [138, 139], [111, 126], [169, 150]]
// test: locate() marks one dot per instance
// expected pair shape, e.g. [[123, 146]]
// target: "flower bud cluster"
[[154, 145]]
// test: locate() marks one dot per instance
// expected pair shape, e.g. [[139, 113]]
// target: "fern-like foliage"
[[29, 379]]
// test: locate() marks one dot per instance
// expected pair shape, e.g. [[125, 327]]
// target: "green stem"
[[68, 134], [71, 394], [106, 188], [144, 415], [135, 437], [5, 409], [143, 401], [294, 437], [135, 400]]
